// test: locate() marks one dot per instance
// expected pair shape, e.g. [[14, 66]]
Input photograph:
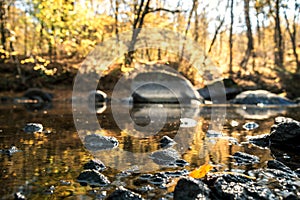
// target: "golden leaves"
[[201, 171]]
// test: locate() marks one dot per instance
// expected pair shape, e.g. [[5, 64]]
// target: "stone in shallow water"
[[19, 196], [122, 193], [33, 128], [250, 126], [166, 141], [166, 157], [162, 87], [190, 189], [94, 164], [96, 142], [92, 178], [245, 159], [260, 97]]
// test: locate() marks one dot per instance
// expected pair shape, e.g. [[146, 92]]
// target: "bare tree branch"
[[151, 10]]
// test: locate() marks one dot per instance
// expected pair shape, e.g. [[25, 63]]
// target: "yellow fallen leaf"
[[235, 173], [201, 171]]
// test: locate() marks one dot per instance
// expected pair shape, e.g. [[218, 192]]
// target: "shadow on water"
[[56, 156]]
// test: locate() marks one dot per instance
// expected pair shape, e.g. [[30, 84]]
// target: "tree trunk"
[[196, 37], [250, 47], [230, 38], [278, 37], [293, 35]]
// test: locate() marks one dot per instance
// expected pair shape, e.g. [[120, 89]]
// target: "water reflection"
[[58, 155]]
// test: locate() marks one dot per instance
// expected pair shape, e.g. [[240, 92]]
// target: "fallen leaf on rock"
[[201, 171]]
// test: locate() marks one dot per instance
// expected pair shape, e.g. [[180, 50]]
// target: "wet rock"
[[260, 97], [33, 128], [250, 126], [97, 97], [274, 164], [181, 163], [187, 122], [94, 164], [190, 189], [96, 142], [165, 157], [124, 194], [38, 95], [245, 159], [260, 140], [285, 131], [92, 178], [213, 134], [163, 87], [210, 93], [13, 149], [19, 196], [166, 141], [231, 186]]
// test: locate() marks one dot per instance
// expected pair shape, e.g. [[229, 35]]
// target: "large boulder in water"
[[212, 91], [162, 87], [260, 97]]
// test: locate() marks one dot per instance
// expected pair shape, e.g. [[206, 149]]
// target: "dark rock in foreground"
[[245, 159], [190, 189], [124, 194], [92, 178], [94, 164], [231, 186], [33, 128], [260, 97], [285, 133], [96, 142], [163, 87]]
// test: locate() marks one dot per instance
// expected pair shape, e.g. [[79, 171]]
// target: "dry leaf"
[[201, 171]]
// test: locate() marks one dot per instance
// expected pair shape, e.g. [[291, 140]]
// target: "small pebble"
[[250, 126]]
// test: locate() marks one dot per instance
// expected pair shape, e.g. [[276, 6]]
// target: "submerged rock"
[[260, 97], [190, 189], [33, 128], [94, 164], [122, 193], [92, 178], [245, 159], [96, 142], [163, 87], [38, 95]]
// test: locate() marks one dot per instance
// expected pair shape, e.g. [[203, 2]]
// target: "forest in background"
[[256, 42]]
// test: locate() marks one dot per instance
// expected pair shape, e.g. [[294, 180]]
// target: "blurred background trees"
[[243, 37]]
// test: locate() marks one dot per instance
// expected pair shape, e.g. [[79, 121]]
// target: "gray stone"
[[96, 142], [163, 87], [166, 141], [166, 157], [94, 164], [92, 178], [122, 193], [239, 187], [244, 158], [260, 97], [33, 128], [189, 188]]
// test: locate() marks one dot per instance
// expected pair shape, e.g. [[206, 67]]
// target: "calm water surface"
[[56, 157]]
